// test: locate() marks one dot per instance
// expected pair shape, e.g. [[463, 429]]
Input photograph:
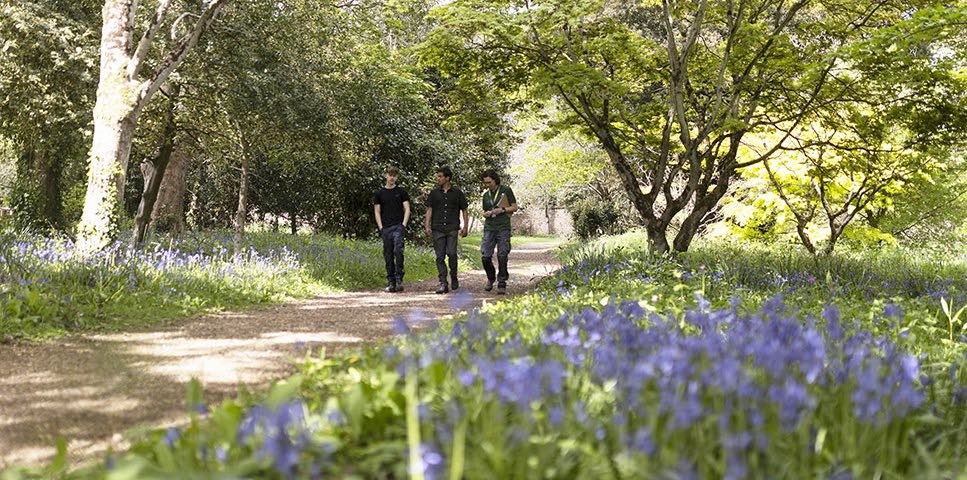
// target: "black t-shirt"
[[390, 201], [446, 209]]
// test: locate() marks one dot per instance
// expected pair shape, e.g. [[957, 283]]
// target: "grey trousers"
[[500, 240], [445, 247]]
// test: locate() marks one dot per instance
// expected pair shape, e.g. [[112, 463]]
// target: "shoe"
[[390, 288], [443, 288], [489, 287], [501, 289], [399, 287], [454, 284]]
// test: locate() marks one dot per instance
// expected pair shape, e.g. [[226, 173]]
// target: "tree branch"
[[144, 45], [178, 54]]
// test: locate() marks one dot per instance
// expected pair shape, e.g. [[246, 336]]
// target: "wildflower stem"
[[458, 453], [413, 426]]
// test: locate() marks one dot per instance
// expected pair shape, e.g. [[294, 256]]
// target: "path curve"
[[90, 389]]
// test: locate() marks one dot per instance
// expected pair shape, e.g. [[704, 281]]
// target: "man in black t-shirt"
[[445, 207], [391, 206]]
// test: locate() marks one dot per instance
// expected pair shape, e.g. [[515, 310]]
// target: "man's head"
[[443, 176], [491, 179], [391, 174]]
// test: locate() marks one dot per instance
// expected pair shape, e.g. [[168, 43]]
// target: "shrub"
[[593, 217]]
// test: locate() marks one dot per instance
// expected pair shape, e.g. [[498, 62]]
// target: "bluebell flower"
[[400, 327], [642, 442], [171, 436], [461, 300], [893, 310], [221, 455], [555, 415]]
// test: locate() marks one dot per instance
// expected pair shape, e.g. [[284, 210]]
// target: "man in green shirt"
[[499, 204]]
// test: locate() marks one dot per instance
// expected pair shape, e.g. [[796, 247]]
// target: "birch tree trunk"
[[122, 93]]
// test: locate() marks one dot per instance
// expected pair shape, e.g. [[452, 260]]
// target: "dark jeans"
[[500, 240], [445, 246], [393, 252]]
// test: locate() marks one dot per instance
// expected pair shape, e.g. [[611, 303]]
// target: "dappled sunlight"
[[368, 301], [34, 378], [110, 404], [230, 367], [298, 338]]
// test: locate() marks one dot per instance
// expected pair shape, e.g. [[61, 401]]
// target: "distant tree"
[[47, 70]]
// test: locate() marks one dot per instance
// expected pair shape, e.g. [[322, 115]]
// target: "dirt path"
[[91, 389]]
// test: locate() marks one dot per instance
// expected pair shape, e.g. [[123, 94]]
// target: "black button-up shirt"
[[446, 208]]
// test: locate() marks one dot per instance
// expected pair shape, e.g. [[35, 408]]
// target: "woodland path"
[[93, 388]]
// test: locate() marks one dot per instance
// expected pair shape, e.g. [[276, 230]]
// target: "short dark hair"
[[391, 170], [492, 174], [445, 171]]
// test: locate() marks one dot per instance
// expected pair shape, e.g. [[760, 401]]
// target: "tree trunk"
[[696, 218], [242, 213], [153, 170], [170, 206], [115, 117], [48, 170], [657, 237], [549, 215], [293, 223], [39, 171], [804, 238], [121, 95]]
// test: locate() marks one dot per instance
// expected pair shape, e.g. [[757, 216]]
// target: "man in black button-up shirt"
[[446, 205]]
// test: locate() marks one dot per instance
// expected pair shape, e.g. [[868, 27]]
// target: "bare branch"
[[144, 45], [178, 54]]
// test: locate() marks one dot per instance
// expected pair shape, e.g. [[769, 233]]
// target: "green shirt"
[[490, 202]]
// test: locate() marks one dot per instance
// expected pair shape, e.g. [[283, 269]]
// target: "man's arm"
[[406, 213], [379, 221], [466, 223], [426, 220]]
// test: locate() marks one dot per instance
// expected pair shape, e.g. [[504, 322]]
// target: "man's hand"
[[429, 232], [464, 232]]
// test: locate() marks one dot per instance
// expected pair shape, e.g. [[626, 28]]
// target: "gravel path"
[[91, 389]]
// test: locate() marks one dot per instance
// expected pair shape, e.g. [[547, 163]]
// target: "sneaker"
[[390, 288], [501, 289], [454, 284], [489, 287], [399, 287], [442, 288]]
